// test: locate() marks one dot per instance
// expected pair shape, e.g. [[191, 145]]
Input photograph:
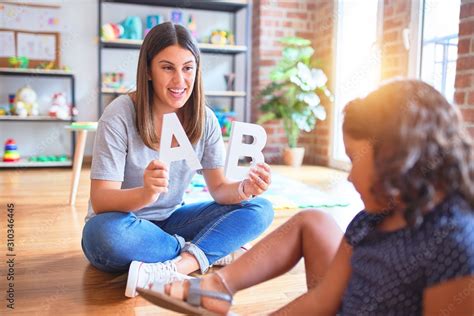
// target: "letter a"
[[172, 126]]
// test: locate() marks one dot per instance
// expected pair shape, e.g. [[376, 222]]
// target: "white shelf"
[[33, 71], [42, 118], [25, 163], [204, 47]]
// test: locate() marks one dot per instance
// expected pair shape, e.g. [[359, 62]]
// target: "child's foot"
[[143, 275], [210, 282]]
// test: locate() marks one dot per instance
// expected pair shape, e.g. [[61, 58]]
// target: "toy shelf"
[[204, 47], [236, 58], [33, 74], [41, 118], [33, 71], [215, 5], [24, 163]]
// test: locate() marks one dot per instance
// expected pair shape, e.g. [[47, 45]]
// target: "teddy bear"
[[25, 102]]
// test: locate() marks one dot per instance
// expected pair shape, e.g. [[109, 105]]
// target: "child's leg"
[[112, 240], [313, 235]]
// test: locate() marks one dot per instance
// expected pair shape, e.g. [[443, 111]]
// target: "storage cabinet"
[[120, 56], [37, 135]]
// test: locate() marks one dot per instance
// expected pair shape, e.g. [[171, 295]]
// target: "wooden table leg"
[[77, 164]]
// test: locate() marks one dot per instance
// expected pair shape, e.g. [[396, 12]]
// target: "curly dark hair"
[[419, 142]]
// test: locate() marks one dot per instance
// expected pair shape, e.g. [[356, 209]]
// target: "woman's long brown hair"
[[420, 145], [192, 114]]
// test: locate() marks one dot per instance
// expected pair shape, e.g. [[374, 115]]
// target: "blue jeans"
[[209, 231]]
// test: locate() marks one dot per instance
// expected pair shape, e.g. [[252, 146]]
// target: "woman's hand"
[[155, 179], [259, 180]]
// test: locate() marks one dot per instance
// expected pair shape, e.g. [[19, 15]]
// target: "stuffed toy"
[[25, 102]]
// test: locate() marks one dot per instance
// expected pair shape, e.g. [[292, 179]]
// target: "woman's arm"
[[326, 297], [108, 196], [226, 192], [453, 297]]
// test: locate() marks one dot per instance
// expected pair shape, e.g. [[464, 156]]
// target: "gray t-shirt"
[[120, 155]]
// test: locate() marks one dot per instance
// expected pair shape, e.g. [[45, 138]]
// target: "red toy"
[[11, 151]]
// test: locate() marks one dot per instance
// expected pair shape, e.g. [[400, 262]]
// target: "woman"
[[137, 219]]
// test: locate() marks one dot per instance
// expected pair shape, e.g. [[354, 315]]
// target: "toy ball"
[[11, 153]]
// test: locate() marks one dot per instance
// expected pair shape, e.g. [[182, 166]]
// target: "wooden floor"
[[51, 275]]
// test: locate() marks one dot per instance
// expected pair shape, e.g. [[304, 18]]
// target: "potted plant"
[[293, 95]]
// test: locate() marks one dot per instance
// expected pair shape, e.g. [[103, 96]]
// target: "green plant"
[[293, 94]]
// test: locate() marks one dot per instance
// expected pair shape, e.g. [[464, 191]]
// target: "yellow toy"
[[25, 102]]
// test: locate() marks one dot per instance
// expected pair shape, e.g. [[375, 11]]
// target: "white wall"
[[79, 51]]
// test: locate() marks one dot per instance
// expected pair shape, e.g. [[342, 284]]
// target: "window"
[[358, 61], [438, 22]]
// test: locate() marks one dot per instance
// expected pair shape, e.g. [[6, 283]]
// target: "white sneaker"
[[224, 261], [143, 275]]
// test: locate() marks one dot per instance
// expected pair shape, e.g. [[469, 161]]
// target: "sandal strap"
[[195, 293]]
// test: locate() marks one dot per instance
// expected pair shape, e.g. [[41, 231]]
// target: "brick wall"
[[272, 20], [464, 93], [315, 20], [396, 17]]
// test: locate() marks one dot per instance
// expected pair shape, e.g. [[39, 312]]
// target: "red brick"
[[289, 4], [391, 36], [402, 6], [470, 98], [463, 81], [465, 63], [272, 13], [393, 23], [388, 11], [467, 10], [267, 62], [297, 15], [464, 45], [466, 28], [307, 35], [468, 115], [459, 98], [394, 49], [311, 6]]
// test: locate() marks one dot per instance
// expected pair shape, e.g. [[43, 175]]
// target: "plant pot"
[[293, 156]]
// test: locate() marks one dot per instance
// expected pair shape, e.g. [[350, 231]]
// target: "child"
[[137, 220], [411, 251]]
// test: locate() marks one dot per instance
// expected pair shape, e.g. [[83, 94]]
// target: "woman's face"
[[173, 71], [362, 173]]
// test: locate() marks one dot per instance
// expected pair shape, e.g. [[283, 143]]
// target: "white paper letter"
[[239, 149], [172, 126]]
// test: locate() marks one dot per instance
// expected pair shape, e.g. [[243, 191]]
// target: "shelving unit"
[[242, 25], [40, 73]]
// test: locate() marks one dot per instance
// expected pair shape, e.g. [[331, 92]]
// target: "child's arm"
[[108, 196], [453, 297], [326, 297]]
